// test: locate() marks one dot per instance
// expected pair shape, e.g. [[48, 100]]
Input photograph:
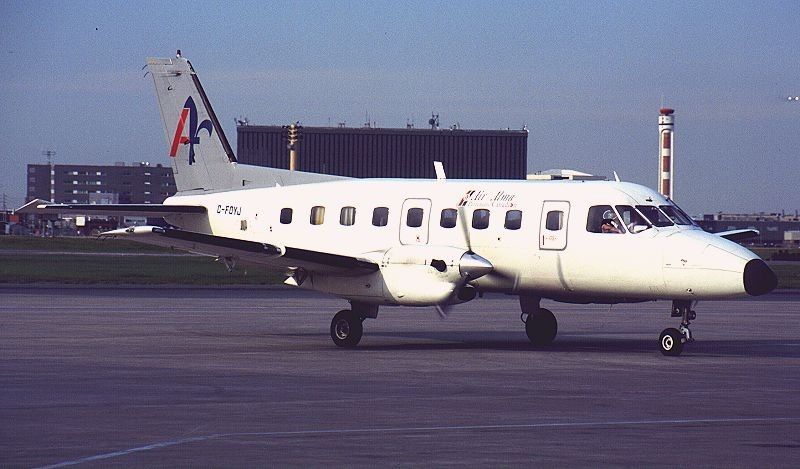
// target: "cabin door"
[[414, 221], [553, 227]]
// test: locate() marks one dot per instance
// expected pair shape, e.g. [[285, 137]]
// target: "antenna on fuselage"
[[616, 177], [438, 167]]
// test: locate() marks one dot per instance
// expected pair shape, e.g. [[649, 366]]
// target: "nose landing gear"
[[671, 340]]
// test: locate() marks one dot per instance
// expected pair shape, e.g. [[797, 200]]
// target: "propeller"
[[471, 266]]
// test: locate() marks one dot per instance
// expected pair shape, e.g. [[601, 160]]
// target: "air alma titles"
[[480, 198]]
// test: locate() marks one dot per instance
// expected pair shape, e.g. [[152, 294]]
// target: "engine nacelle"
[[430, 275], [410, 275]]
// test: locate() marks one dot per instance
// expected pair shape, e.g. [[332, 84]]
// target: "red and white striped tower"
[[666, 161]]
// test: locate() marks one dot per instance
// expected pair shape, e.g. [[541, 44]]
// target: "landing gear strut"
[[540, 324], [671, 340]]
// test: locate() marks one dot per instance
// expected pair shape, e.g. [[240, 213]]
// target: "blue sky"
[[587, 78]]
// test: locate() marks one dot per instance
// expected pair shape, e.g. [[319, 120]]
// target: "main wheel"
[[541, 327], [346, 329], [671, 342]]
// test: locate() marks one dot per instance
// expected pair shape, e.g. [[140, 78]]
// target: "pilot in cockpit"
[[609, 223]]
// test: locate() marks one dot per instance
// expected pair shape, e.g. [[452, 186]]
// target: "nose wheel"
[[671, 340]]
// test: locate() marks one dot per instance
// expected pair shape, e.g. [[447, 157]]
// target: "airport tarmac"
[[243, 377]]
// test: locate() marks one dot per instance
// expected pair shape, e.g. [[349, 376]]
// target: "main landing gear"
[[347, 326], [672, 340], [540, 324]]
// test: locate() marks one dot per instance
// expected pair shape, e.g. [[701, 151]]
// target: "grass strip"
[[138, 270]]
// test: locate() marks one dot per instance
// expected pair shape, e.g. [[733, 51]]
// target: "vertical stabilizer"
[[201, 156]]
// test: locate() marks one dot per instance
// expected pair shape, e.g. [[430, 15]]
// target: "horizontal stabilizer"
[[739, 235], [42, 207]]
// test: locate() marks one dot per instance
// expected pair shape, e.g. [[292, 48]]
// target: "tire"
[[670, 342], [541, 327], [346, 329]]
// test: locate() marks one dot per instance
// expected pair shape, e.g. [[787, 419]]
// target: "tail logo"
[[189, 110]]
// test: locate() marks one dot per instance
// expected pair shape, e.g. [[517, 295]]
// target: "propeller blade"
[[462, 215], [443, 311]]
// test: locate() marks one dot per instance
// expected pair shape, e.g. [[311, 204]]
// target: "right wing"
[[739, 235], [282, 258]]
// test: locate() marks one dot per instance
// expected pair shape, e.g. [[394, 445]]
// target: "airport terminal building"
[[368, 152], [140, 183]]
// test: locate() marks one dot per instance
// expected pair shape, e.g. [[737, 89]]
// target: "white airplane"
[[429, 243]]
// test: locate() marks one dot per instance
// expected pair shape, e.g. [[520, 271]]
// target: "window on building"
[[317, 215], [347, 216], [380, 216], [449, 218], [286, 216], [480, 219], [555, 220], [513, 220], [414, 217]]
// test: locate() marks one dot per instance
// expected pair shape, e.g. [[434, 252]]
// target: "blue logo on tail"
[[189, 110]]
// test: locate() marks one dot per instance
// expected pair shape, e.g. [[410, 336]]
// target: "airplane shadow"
[[581, 343]]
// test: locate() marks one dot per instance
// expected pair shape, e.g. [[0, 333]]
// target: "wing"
[[278, 257], [738, 235], [144, 210]]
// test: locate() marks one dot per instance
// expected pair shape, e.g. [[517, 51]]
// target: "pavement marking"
[[617, 423]]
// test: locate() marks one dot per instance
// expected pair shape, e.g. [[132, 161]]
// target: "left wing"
[[278, 257], [39, 206]]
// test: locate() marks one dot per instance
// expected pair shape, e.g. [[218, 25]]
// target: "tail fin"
[[201, 155], [202, 158]]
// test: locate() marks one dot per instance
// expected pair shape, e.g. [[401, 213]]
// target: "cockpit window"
[[677, 215], [656, 216], [632, 219], [603, 219]]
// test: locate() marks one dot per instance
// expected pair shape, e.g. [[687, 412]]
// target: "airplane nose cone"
[[759, 278]]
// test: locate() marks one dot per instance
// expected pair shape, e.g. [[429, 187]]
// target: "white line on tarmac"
[[619, 423]]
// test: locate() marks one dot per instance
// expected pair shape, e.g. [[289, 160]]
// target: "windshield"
[[676, 215], [656, 216], [632, 219]]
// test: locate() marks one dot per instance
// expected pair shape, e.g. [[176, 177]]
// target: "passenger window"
[[603, 219], [380, 216], [414, 217], [347, 216], [632, 219], [656, 216], [286, 216], [513, 220], [480, 219], [555, 220], [449, 218], [317, 215]]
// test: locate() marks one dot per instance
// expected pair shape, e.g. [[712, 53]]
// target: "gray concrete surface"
[[248, 377]]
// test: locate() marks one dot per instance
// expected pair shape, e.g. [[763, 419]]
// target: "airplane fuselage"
[[538, 236]]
